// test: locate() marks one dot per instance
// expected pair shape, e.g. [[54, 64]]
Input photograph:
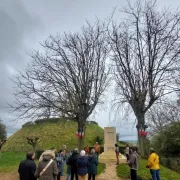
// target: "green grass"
[[101, 168], [165, 173], [10, 161], [52, 134]]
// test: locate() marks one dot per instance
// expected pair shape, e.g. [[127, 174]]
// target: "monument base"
[[111, 156]]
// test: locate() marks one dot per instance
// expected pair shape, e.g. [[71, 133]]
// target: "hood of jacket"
[[47, 155]]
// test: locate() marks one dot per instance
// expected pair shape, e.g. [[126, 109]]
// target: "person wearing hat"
[[82, 166], [153, 164]]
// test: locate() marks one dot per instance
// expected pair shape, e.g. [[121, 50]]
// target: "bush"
[[171, 162], [38, 153], [123, 171]]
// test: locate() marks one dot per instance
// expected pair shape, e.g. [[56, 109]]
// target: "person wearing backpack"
[[117, 153]]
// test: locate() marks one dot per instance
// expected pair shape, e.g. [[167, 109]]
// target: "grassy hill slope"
[[52, 134]]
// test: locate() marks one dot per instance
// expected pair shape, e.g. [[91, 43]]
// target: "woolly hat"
[[152, 149], [82, 153]]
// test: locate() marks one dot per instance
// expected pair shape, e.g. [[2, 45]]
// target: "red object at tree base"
[[143, 133]]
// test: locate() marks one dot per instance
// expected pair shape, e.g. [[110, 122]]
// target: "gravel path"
[[110, 172]]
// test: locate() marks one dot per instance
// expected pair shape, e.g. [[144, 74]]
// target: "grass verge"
[[9, 162], [101, 168], [144, 174]]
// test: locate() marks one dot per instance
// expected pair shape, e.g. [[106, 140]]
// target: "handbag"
[[49, 163]]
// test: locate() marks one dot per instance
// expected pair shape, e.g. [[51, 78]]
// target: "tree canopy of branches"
[[145, 47], [67, 78], [3, 133], [33, 141], [159, 116]]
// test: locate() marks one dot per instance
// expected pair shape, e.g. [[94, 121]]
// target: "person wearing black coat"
[[72, 163], [27, 167], [92, 167]]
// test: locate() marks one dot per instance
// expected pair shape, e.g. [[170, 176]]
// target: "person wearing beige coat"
[[51, 171]]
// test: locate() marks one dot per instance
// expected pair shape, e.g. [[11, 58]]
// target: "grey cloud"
[[17, 27], [23, 23]]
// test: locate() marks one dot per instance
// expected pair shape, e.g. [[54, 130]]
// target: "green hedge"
[[123, 172]]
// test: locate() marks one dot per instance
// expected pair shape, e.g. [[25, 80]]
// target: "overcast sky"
[[23, 24]]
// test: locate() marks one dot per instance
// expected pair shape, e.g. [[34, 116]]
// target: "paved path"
[[110, 172]]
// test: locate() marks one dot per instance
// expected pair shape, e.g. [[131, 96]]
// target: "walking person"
[[82, 166], [117, 153], [92, 167], [97, 149], [133, 163], [153, 164], [27, 167], [47, 167]]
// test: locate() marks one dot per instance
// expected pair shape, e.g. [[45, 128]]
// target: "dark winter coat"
[[50, 172], [72, 162], [93, 162], [82, 165], [27, 169]]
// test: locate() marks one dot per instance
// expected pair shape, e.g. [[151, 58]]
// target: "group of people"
[[152, 163], [80, 166]]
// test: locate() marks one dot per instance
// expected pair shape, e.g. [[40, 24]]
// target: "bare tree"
[[33, 141], [145, 47], [67, 78], [159, 116]]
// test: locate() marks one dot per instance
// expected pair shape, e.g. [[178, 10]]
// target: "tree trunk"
[[82, 124], [80, 144], [141, 139]]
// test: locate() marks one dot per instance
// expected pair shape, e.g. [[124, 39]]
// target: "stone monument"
[[109, 145]]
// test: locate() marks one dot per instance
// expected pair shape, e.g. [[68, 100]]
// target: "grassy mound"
[[166, 174], [51, 134]]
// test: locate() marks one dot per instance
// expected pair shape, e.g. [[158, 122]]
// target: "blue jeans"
[[155, 174]]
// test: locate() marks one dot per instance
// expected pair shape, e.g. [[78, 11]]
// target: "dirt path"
[[9, 176], [110, 172]]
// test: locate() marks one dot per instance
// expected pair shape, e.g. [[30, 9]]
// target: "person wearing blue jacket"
[[82, 166], [93, 163]]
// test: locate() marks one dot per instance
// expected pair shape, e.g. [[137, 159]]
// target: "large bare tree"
[[67, 78], [145, 47]]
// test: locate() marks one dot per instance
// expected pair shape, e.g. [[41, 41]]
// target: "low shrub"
[[171, 162], [123, 171]]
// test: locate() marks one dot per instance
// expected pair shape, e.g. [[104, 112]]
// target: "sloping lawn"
[[52, 135], [10, 161], [165, 173]]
